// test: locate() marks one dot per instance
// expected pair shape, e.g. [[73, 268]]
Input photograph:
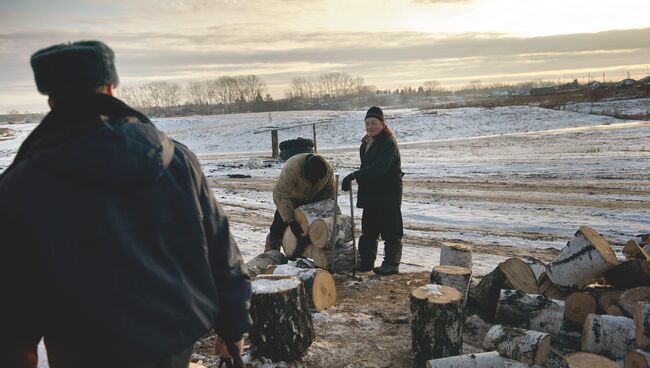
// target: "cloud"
[[439, 1]]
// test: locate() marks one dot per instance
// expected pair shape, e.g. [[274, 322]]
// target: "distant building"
[[542, 91], [626, 83], [568, 88], [644, 81]]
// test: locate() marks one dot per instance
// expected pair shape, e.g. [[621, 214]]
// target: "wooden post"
[[314, 134], [275, 150]]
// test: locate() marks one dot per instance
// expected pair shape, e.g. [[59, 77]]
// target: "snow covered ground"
[[632, 107]]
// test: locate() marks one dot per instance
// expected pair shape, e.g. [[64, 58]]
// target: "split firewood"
[[588, 360], [611, 336], [548, 289], [529, 311], [578, 305], [586, 256], [321, 231], [629, 274], [453, 276], [259, 264], [319, 284], [437, 322], [642, 325], [527, 346], [632, 250], [637, 359], [513, 273], [488, 359], [456, 255], [308, 213], [282, 325], [627, 301]]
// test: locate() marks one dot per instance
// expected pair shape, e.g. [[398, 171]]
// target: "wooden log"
[[548, 289], [490, 359], [605, 297], [513, 273], [321, 231], [629, 274], [608, 335], [529, 311], [343, 257], [586, 256], [587, 360], [632, 250], [614, 310], [456, 255], [642, 325], [628, 300], [319, 284], [578, 305], [308, 213], [537, 266], [259, 264], [637, 359], [437, 323], [569, 337], [282, 326], [527, 346], [453, 276]]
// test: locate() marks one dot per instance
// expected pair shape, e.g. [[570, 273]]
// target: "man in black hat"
[[113, 248], [305, 178]]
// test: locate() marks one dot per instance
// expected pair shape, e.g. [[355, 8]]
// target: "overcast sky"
[[390, 43]]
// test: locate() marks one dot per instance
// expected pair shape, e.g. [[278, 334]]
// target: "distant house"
[[542, 91], [644, 81], [626, 83], [569, 87]]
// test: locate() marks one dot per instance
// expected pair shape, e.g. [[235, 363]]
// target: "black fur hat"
[[68, 66], [315, 167], [375, 112]]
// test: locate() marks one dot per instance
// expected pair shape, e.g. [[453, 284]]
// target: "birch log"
[[578, 305], [319, 285], [586, 256], [453, 276], [537, 266], [436, 327], [343, 257], [608, 335], [289, 242], [632, 250], [308, 213], [259, 264], [548, 288], [527, 346], [490, 359], [642, 325], [529, 311], [456, 255], [637, 359], [321, 232], [282, 325], [628, 300], [587, 360]]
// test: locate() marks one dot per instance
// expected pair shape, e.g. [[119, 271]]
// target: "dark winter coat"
[[380, 175], [111, 243]]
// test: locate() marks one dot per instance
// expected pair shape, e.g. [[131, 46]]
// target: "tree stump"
[[456, 255], [479, 360], [628, 300], [513, 273], [259, 264], [529, 311], [608, 335], [637, 359], [587, 360], [321, 231], [437, 323], [308, 213], [282, 326], [586, 256], [642, 325], [453, 276], [527, 346], [319, 284], [578, 305], [632, 250], [629, 274]]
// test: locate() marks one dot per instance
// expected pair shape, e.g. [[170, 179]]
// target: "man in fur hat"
[[113, 248]]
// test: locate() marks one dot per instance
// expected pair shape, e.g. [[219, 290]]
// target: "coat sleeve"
[[231, 278], [381, 164], [284, 192], [20, 307], [328, 191]]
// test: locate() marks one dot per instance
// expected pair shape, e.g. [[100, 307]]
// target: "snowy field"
[[626, 107]]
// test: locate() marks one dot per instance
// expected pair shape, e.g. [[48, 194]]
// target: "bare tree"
[[252, 86], [301, 87], [196, 93], [431, 85]]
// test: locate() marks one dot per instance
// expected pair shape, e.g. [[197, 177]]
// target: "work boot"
[[272, 243], [386, 269], [364, 266]]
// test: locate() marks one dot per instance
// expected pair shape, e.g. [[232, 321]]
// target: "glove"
[[295, 228], [303, 242], [347, 181]]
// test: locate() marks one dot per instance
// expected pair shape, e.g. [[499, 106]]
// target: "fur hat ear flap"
[[73, 65]]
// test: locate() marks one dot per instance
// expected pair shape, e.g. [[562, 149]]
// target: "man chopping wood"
[[305, 178]]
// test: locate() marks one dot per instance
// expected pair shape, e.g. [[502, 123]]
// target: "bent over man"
[[305, 178], [113, 248]]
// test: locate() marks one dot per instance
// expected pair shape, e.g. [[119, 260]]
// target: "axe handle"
[[354, 239]]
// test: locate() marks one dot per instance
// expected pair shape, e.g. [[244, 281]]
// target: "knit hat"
[[68, 66], [315, 167], [375, 112]]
